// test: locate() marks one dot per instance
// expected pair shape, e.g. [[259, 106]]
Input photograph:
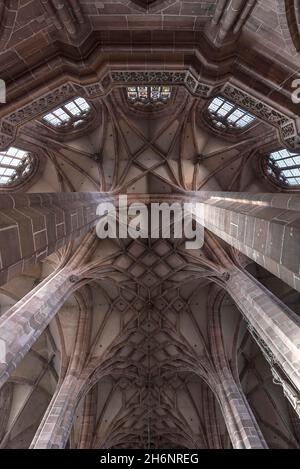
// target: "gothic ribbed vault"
[[142, 343]]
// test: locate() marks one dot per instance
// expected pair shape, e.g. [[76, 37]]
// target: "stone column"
[[241, 424], [55, 428], [6, 395], [242, 427], [276, 324], [22, 324], [229, 19], [211, 426], [88, 420], [32, 226], [273, 321], [264, 227]]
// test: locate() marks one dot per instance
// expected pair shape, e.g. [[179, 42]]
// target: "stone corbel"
[[66, 14], [229, 19]]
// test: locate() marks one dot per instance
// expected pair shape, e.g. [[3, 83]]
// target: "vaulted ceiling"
[[149, 306]]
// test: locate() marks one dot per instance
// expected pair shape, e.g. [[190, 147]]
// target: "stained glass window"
[[149, 94]]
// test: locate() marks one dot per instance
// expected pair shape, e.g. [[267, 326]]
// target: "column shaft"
[[274, 322], [88, 420], [55, 428], [240, 422], [22, 324], [229, 18], [32, 226], [264, 227]]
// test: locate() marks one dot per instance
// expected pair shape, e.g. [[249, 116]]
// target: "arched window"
[[225, 115], [15, 166], [70, 114], [149, 94], [284, 166]]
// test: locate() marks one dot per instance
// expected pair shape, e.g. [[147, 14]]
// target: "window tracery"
[[70, 114], [225, 115], [15, 165], [284, 166], [149, 94]]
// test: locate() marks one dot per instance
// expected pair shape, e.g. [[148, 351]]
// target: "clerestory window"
[[284, 166], [15, 165], [149, 94], [226, 115], [70, 114]]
